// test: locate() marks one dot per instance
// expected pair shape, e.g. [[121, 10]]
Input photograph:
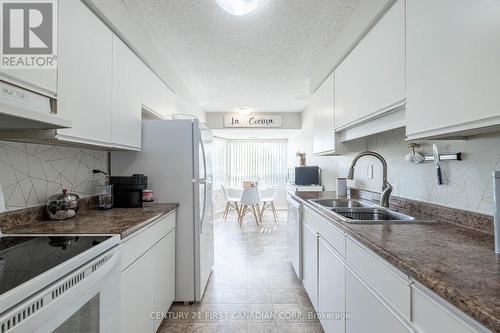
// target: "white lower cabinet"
[[343, 277], [137, 294], [164, 272], [367, 313], [310, 263], [148, 276], [431, 314], [331, 288]]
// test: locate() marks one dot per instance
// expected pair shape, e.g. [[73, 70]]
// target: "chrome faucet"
[[386, 187]]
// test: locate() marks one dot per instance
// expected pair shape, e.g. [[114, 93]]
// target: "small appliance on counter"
[[63, 206], [128, 191], [305, 175]]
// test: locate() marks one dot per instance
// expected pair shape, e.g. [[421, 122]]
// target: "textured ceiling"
[[261, 60]]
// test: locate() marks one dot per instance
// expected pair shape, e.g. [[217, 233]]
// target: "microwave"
[[303, 176]]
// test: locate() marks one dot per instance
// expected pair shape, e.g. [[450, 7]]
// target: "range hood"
[[21, 109]]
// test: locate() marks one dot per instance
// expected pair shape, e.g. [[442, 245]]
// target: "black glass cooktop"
[[23, 258]]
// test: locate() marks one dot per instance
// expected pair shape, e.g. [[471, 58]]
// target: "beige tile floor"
[[253, 288]]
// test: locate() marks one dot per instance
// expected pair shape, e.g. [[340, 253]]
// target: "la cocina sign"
[[252, 121]]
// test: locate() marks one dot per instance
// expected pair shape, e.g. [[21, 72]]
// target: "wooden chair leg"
[[258, 212], [255, 209], [262, 211], [274, 212], [226, 210], [243, 211]]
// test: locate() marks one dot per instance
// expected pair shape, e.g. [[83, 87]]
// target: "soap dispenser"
[[496, 198]]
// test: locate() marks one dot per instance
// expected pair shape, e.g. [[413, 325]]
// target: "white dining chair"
[[267, 198], [250, 203], [233, 197]]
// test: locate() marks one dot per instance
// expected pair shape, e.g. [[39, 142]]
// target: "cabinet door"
[[453, 67], [310, 263], [84, 74], [371, 80], [366, 312], [127, 93], [138, 290], [328, 114], [164, 275], [331, 288]]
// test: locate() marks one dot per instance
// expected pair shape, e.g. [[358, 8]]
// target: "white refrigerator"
[[177, 158]]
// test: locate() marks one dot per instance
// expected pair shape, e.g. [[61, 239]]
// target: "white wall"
[[468, 183], [303, 142]]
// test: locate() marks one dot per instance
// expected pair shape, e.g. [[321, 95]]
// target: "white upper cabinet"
[[371, 80], [127, 97], [84, 74], [453, 67], [322, 104]]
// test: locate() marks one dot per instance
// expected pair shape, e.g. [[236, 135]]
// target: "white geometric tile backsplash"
[[30, 173], [468, 183]]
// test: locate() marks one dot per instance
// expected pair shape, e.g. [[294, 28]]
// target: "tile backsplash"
[[468, 183], [30, 173]]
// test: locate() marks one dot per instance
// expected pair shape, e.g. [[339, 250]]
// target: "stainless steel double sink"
[[363, 212]]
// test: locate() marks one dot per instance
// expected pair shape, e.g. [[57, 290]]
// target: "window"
[[261, 160]]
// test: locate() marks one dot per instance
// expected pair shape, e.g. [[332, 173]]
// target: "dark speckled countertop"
[[122, 221], [457, 263]]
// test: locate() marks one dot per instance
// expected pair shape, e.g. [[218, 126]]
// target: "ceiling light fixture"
[[238, 7], [244, 111]]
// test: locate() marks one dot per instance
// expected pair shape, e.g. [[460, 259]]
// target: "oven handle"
[[57, 302]]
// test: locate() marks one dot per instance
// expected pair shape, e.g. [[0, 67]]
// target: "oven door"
[[84, 301]]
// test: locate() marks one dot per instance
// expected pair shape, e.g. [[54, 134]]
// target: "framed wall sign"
[[252, 121]]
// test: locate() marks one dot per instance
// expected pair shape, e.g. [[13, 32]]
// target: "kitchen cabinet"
[[370, 81], [137, 293], [367, 312], [310, 263], [84, 75], [322, 104], [453, 72], [331, 288], [128, 92], [431, 314], [148, 275], [163, 274], [342, 276]]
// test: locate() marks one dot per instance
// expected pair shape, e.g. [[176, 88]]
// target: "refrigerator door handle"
[[204, 207]]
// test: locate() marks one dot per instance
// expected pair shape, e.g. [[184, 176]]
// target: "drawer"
[[326, 229], [391, 284], [432, 314], [141, 241]]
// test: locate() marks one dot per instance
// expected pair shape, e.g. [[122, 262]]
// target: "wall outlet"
[[369, 171]]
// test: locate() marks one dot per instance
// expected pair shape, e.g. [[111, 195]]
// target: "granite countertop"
[[122, 221], [457, 263]]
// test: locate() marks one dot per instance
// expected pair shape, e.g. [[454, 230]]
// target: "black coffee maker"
[[127, 191]]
